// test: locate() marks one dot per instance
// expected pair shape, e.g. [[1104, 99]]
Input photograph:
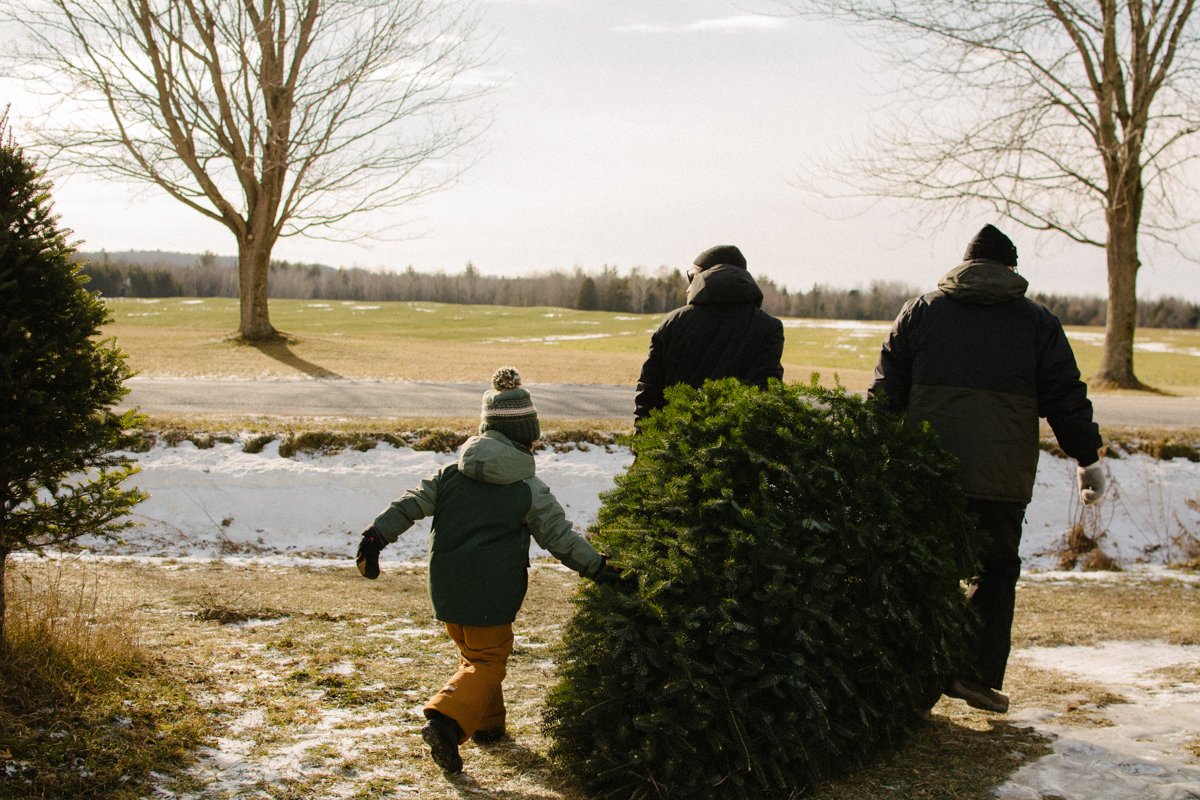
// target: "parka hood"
[[492, 457], [983, 282], [724, 283]]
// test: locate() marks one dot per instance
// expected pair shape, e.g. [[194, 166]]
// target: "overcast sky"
[[634, 133]]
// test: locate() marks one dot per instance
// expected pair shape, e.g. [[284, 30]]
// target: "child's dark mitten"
[[367, 558]]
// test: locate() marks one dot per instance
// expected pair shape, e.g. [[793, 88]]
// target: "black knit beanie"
[[508, 408], [991, 244], [721, 254]]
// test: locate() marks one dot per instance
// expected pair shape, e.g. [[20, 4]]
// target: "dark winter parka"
[[485, 506], [721, 333], [982, 363]]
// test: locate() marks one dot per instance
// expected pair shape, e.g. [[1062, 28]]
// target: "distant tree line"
[[637, 291]]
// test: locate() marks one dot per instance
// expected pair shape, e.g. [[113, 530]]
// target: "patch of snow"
[[1113, 663], [1142, 755], [565, 337], [1148, 503], [851, 325], [1166, 347], [258, 623]]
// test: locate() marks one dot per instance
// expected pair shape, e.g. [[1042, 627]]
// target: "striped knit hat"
[[508, 408]]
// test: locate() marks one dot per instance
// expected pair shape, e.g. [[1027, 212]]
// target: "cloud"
[[739, 24], [635, 27], [746, 22]]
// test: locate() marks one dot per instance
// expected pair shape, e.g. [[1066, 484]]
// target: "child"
[[485, 506]]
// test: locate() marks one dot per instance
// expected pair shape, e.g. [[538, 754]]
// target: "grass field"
[[438, 342], [306, 683]]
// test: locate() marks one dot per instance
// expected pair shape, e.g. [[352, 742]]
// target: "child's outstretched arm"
[[415, 504], [552, 530], [401, 513]]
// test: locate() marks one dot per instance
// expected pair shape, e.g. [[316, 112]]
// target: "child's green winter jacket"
[[485, 507]]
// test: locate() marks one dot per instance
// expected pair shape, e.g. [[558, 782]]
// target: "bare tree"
[[271, 117], [1072, 116]]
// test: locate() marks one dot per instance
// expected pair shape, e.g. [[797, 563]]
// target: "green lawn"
[[436, 341]]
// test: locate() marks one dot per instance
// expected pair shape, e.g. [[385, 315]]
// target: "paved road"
[[347, 398]]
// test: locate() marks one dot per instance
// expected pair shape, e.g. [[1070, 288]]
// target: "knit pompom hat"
[[990, 243], [508, 408]]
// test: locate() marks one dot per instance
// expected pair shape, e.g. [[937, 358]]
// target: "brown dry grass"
[[85, 709], [1055, 612], [186, 352], [320, 675], [181, 352]]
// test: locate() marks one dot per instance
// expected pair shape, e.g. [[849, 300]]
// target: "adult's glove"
[[1091, 483], [367, 558]]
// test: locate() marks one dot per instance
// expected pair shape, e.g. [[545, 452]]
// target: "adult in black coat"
[[982, 363], [722, 332]]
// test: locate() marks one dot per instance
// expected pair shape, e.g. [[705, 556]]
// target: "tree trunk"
[[1116, 364], [254, 261], [3, 601]]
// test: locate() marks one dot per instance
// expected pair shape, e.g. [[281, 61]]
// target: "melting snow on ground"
[[1146, 753]]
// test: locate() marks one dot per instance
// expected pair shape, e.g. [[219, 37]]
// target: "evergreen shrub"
[[798, 557], [61, 474]]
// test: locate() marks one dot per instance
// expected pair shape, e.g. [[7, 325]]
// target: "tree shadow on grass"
[[280, 349], [944, 760], [952, 757], [468, 787]]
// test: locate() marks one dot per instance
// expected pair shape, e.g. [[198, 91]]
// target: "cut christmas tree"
[[798, 557]]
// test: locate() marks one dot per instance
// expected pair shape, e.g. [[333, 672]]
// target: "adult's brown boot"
[[978, 696]]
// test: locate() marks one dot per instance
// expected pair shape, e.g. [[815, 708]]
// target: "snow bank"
[[222, 501]]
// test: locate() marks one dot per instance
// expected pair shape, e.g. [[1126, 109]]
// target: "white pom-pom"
[[506, 378]]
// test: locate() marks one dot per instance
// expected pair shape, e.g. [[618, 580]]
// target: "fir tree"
[[588, 298], [798, 558], [59, 475]]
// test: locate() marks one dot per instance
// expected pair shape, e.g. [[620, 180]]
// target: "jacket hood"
[[983, 282], [724, 284], [491, 457]]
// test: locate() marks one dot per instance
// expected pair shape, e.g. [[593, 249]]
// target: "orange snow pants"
[[473, 697]]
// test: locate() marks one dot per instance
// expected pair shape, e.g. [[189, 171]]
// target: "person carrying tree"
[[981, 363], [722, 332], [485, 507]]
